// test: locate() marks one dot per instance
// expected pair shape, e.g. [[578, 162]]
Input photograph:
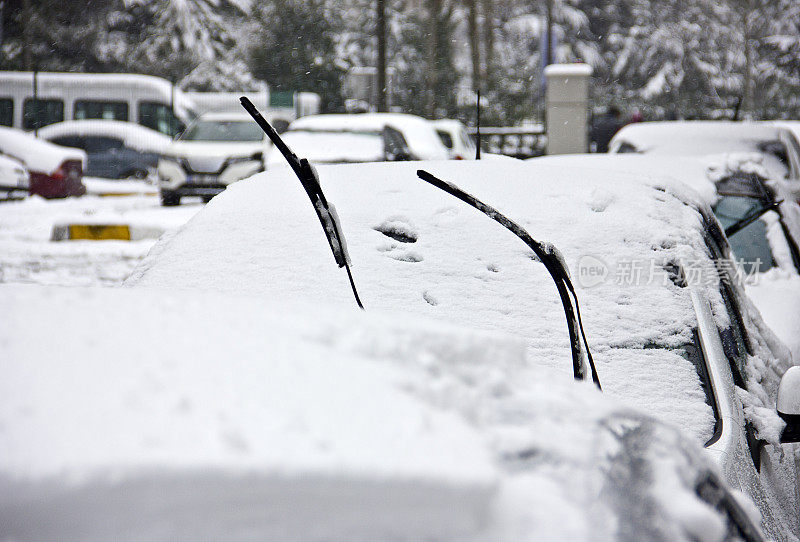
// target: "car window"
[[86, 109], [626, 147], [750, 245], [447, 139], [160, 118], [223, 130], [37, 113], [735, 340], [6, 112], [466, 140], [96, 144], [396, 145], [70, 141]]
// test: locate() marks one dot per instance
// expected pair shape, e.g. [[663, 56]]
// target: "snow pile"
[[27, 255]]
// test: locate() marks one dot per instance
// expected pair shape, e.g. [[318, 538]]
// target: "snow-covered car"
[[407, 137], [55, 171], [115, 149], [672, 333], [216, 150], [705, 154], [455, 137], [14, 177], [234, 417], [331, 148], [775, 143]]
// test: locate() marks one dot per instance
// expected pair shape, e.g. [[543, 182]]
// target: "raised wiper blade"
[[742, 223], [326, 212], [582, 362]]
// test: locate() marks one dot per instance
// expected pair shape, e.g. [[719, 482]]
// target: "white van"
[[30, 100]]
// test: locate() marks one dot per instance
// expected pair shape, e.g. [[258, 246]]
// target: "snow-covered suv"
[[215, 151]]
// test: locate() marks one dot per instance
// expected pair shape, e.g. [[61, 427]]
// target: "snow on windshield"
[[220, 130], [453, 263]]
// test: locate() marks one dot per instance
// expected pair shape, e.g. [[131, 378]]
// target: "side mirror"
[[789, 404], [258, 156]]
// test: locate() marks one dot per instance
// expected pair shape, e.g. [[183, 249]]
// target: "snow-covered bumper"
[[178, 177]]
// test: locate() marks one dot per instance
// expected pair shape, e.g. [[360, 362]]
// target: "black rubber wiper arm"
[[553, 262], [326, 212]]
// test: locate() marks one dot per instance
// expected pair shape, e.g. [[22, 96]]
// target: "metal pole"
[[548, 54], [37, 106], [382, 104]]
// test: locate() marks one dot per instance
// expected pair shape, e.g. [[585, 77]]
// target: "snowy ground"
[[27, 255]]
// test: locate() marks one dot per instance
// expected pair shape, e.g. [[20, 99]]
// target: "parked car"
[[115, 149], [455, 137], [55, 171], [404, 137], [688, 350], [230, 417], [722, 151], [14, 177], [216, 150], [777, 144]]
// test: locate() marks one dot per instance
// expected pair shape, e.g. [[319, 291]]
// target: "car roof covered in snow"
[[330, 147], [419, 133], [696, 137], [419, 250], [133, 135], [37, 154]]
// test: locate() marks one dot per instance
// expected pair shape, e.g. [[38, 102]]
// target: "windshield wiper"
[[742, 223], [326, 212], [582, 362]]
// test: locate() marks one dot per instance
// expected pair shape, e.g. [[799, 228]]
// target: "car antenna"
[[553, 261], [326, 212], [478, 127]]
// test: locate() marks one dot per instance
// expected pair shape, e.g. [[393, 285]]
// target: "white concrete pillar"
[[567, 108]]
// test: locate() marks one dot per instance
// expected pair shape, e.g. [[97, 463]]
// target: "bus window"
[[6, 112], [160, 117], [85, 109], [38, 113]]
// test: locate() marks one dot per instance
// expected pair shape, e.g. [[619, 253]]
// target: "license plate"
[[201, 179]]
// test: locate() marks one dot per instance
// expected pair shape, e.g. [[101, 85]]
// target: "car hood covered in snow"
[[236, 417], [418, 250]]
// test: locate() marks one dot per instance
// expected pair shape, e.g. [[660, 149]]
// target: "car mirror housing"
[[789, 404]]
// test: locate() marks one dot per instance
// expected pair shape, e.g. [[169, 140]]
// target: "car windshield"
[[223, 130]]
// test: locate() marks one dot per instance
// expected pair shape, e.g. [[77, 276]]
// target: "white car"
[[14, 177], [405, 137], [704, 154], [672, 333], [55, 171], [455, 137], [216, 150], [236, 418]]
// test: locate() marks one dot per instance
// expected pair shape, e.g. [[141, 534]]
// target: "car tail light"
[[69, 170]]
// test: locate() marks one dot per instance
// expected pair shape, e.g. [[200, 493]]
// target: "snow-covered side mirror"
[[789, 404]]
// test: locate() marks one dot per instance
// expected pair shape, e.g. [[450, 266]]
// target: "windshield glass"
[[223, 130]]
